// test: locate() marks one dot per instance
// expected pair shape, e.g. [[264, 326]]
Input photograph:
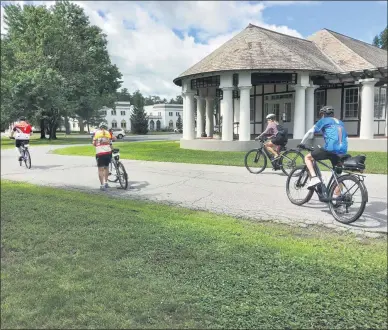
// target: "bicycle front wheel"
[[296, 186], [255, 161], [122, 175], [27, 158], [349, 198], [291, 159]]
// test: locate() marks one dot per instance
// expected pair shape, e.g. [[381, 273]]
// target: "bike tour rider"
[[274, 140], [336, 142], [102, 140], [21, 133]]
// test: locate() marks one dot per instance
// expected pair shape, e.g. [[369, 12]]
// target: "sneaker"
[[102, 188], [106, 185], [313, 182], [20, 158]]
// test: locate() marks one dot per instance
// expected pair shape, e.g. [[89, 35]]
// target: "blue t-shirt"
[[330, 127]]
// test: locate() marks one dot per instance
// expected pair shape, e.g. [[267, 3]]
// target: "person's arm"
[[266, 131], [308, 136]]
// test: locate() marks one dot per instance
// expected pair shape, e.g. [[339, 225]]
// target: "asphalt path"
[[221, 189]]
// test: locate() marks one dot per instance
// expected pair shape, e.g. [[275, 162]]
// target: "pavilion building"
[[260, 71]]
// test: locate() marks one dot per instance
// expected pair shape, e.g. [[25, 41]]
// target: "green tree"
[[179, 123], [381, 40], [124, 95], [139, 121]]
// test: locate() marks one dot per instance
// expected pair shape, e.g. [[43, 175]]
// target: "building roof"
[[259, 48], [347, 53], [256, 48]]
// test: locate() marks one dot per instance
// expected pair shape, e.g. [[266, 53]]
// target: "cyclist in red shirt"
[[21, 132]]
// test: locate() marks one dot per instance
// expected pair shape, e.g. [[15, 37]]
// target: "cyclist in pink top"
[[271, 132]]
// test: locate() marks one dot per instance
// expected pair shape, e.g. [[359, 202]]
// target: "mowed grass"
[[7, 143], [170, 151], [76, 260]]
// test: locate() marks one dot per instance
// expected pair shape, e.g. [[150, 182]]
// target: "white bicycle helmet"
[[271, 116]]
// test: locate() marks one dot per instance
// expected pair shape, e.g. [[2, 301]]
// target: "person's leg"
[[308, 159], [316, 154], [269, 146], [18, 150], [101, 174]]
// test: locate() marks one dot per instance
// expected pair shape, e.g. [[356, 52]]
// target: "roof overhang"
[[178, 81], [351, 76]]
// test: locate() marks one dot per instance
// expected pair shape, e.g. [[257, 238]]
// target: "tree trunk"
[[42, 129], [88, 127], [81, 125], [67, 126]]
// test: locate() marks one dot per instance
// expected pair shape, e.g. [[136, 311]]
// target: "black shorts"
[[322, 154], [103, 160], [18, 143], [278, 141]]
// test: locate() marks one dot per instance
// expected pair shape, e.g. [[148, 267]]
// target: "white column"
[[184, 130], [245, 112], [209, 116], [300, 111], [200, 115], [189, 119], [310, 110], [227, 114], [386, 109], [367, 108]]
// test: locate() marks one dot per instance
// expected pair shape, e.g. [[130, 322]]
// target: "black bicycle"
[[116, 169], [256, 159], [340, 191]]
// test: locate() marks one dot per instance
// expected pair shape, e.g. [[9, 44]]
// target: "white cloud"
[[151, 55]]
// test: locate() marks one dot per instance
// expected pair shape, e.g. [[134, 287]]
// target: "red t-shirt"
[[23, 130]]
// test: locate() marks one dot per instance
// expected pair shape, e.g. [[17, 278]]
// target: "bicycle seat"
[[115, 151], [344, 157]]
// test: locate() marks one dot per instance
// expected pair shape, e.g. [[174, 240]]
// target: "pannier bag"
[[356, 163]]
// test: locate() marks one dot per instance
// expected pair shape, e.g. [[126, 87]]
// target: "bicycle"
[[288, 159], [119, 170], [339, 205], [26, 157]]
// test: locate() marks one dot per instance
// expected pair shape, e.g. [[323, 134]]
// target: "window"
[[275, 110], [351, 103], [177, 114], [170, 114], [113, 112], [252, 105], [380, 98], [159, 114], [287, 111], [319, 101], [114, 124], [122, 112], [123, 124], [103, 112], [205, 82], [265, 109], [73, 125]]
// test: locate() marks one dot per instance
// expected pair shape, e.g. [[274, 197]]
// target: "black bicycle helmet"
[[22, 118], [103, 125], [327, 110]]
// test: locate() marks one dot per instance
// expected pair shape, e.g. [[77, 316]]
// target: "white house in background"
[[120, 117], [163, 116], [261, 71]]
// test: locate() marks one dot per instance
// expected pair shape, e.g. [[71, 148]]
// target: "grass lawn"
[[77, 260], [7, 143], [169, 151]]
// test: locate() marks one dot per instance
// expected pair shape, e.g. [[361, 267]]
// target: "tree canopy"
[[55, 64], [381, 40]]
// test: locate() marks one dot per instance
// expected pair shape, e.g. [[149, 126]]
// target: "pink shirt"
[[271, 130]]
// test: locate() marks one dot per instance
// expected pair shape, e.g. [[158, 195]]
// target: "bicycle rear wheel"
[[255, 161], [296, 184], [27, 158], [122, 175], [111, 173], [291, 159], [352, 193]]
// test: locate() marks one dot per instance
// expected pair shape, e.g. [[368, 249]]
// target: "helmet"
[[22, 118], [327, 110], [270, 116], [103, 125]]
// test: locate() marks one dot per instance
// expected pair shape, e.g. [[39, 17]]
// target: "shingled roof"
[[256, 48], [259, 48], [347, 53]]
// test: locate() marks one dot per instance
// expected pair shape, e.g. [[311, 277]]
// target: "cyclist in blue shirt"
[[336, 141]]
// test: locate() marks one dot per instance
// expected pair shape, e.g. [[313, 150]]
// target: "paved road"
[[230, 190]]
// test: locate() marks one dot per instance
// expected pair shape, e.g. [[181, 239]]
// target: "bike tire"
[[27, 159], [111, 171], [258, 154], [124, 178], [287, 170], [300, 176], [364, 195]]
